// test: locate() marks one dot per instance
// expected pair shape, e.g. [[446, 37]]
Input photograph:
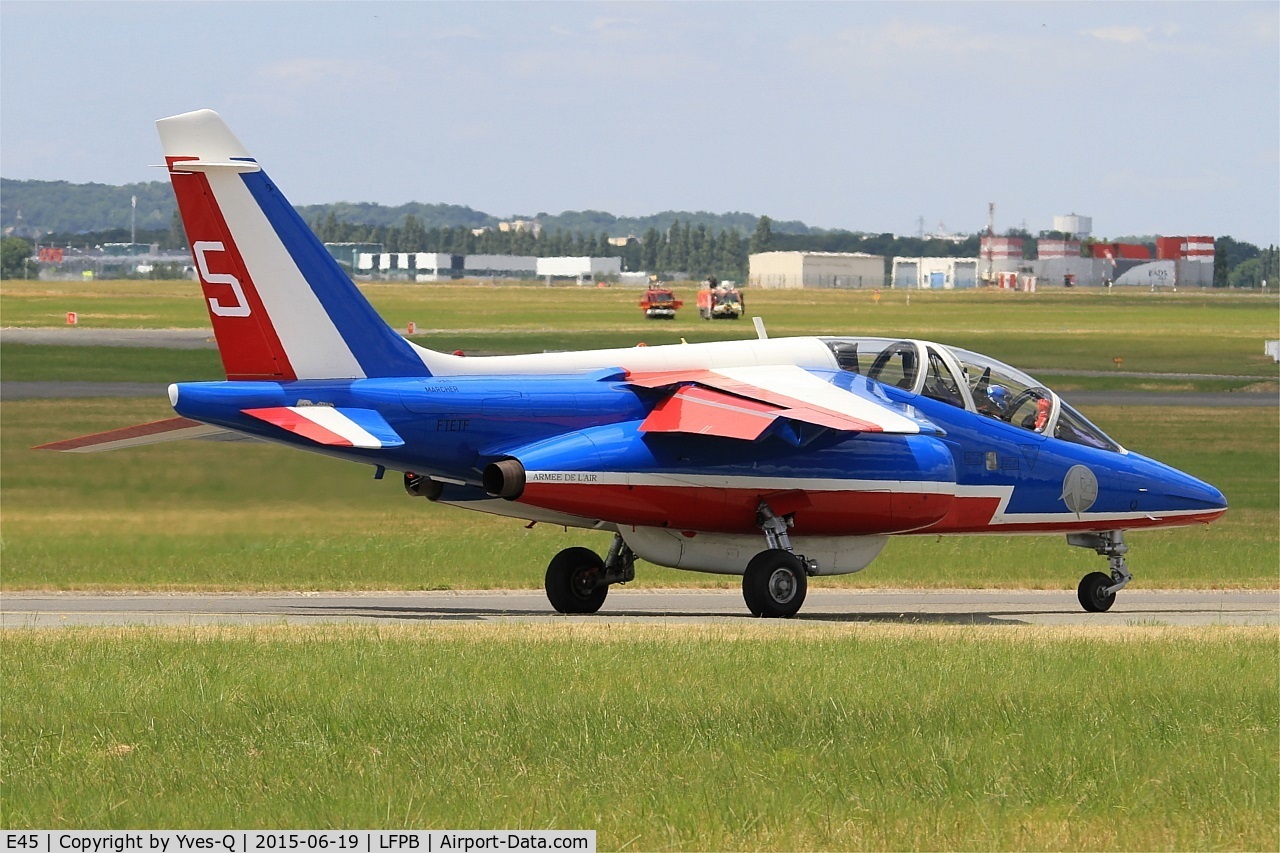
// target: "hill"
[[65, 208]]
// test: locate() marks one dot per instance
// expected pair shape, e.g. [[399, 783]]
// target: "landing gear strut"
[[578, 580], [1097, 591], [776, 579]]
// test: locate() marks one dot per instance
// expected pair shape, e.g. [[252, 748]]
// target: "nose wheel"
[[1093, 594], [1097, 590]]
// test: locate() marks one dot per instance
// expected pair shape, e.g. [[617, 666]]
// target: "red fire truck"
[[660, 303]]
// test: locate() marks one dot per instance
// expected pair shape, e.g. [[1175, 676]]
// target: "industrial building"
[[438, 266], [1178, 261], [582, 269], [816, 269], [935, 273], [999, 255], [348, 254], [499, 266]]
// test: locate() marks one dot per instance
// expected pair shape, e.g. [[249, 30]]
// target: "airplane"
[[777, 459]]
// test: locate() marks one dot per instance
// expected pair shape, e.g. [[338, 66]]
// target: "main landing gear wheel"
[[575, 582], [1093, 592], [775, 584]]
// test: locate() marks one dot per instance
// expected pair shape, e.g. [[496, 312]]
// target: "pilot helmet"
[[998, 395]]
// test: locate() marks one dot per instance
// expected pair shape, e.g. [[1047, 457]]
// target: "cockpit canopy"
[[968, 380]]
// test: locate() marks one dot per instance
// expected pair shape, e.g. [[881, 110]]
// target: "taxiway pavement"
[[906, 607]]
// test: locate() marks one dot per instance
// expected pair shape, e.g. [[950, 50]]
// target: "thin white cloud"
[[450, 34], [312, 72], [1121, 35]]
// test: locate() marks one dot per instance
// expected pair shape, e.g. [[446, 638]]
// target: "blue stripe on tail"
[[379, 350]]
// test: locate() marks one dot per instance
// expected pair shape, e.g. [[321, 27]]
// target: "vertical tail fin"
[[281, 306]]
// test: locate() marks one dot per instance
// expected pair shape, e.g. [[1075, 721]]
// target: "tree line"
[[684, 247], [695, 250], [697, 244]]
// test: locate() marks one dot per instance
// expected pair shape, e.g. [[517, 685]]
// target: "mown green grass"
[[208, 515], [50, 363], [765, 736], [1197, 332], [41, 363], [1065, 384]]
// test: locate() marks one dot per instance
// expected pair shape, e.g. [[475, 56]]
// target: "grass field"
[[206, 515], [48, 363], [1197, 332], [765, 736], [752, 736]]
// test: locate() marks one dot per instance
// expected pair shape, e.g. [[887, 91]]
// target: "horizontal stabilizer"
[[332, 426], [172, 429], [206, 165]]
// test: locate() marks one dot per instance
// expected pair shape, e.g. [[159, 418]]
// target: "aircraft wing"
[[744, 402], [171, 429]]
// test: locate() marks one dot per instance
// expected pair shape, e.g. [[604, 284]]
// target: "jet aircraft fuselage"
[[776, 459]]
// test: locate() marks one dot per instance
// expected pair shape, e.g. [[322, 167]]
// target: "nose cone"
[[1178, 490], [1205, 494], [1196, 494]]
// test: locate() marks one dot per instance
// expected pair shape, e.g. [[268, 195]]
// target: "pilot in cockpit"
[[993, 401]]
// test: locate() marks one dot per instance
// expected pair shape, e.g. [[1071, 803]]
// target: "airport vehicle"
[[720, 302], [660, 303], [775, 459]]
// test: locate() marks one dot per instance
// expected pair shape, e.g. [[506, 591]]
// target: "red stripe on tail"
[[247, 342]]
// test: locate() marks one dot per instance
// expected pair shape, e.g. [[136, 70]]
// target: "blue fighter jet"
[[774, 459]]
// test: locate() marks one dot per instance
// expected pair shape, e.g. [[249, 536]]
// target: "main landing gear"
[[776, 579], [1097, 591], [774, 584], [578, 580]]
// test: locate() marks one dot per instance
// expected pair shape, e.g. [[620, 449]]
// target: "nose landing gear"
[[1097, 591]]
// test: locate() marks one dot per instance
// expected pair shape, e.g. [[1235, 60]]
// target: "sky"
[[1150, 117]]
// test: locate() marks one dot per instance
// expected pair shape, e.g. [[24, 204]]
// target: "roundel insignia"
[[1079, 489]]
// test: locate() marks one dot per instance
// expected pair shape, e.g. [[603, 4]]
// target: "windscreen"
[[1004, 392]]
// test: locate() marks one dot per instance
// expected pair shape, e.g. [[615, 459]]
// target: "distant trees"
[[1254, 271], [696, 250], [15, 258], [762, 240], [1240, 264], [71, 208]]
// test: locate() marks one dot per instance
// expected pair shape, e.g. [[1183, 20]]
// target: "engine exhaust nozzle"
[[504, 479]]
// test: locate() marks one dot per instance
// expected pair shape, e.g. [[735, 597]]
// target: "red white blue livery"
[[775, 459]]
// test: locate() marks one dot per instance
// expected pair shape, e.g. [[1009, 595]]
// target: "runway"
[[202, 339], [675, 607]]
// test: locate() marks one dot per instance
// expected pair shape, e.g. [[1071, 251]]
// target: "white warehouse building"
[[815, 269], [579, 268], [935, 273]]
